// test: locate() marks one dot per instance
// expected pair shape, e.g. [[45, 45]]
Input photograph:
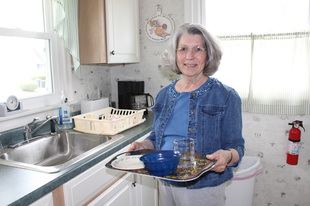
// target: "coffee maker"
[[141, 101], [131, 96]]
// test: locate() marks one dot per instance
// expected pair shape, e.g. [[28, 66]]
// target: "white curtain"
[[265, 52], [270, 72], [235, 67], [65, 14], [280, 75]]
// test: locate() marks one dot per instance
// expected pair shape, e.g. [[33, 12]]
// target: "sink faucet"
[[27, 128]]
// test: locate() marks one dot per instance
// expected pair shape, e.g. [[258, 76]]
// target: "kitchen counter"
[[23, 187]]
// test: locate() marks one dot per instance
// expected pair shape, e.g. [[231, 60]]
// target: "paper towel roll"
[[93, 105]]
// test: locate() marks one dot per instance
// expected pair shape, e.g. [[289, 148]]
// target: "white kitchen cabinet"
[[146, 191], [123, 31], [101, 186], [47, 200], [130, 190], [120, 193], [109, 31], [88, 184]]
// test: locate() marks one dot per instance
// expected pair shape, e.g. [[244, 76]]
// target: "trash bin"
[[240, 189]]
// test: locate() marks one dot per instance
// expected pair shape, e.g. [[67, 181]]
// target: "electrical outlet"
[[75, 107]]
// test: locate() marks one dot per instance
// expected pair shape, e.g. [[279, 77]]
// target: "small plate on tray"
[[128, 163]]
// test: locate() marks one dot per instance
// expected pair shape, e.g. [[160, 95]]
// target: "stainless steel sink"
[[54, 153]]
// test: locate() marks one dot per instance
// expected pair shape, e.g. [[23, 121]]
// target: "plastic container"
[[161, 163], [240, 189], [65, 113], [108, 121]]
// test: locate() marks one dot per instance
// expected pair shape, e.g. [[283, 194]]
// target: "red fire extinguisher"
[[293, 142]]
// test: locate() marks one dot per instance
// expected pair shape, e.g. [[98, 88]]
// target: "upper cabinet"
[[123, 31], [109, 31]]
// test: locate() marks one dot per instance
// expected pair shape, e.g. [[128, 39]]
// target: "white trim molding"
[[194, 12]]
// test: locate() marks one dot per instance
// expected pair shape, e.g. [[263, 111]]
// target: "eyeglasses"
[[197, 50]]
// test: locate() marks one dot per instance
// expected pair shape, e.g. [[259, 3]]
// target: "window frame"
[[56, 62], [193, 11]]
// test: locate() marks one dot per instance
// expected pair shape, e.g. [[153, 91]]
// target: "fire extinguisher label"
[[293, 148]]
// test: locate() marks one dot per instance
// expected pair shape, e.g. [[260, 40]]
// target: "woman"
[[200, 107]]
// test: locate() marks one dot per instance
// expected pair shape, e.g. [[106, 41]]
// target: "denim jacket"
[[215, 122]]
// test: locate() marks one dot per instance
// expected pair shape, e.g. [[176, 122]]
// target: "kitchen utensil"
[[132, 162], [161, 163], [141, 101], [186, 146]]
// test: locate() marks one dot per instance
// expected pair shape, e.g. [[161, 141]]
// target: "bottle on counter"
[[65, 113]]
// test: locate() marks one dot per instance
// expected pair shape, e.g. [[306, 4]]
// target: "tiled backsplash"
[[16, 135]]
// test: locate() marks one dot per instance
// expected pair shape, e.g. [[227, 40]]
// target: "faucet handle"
[[27, 127], [54, 119], [34, 120]]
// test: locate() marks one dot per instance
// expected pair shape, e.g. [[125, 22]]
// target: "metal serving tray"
[[202, 166]]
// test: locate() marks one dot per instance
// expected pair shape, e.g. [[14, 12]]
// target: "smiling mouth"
[[190, 65]]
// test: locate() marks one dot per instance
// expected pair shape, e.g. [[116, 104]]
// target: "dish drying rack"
[[108, 121]]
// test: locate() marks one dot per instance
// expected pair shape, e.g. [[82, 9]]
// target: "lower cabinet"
[[120, 193], [146, 191], [130, 190], [47, 200], [101, 186]]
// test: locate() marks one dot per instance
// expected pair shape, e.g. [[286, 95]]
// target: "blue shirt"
[[178, 117], [214, 122]]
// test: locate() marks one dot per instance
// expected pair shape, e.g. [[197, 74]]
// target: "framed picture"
[[159, 27]]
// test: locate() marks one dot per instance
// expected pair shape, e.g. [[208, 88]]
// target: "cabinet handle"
[[112, 52]]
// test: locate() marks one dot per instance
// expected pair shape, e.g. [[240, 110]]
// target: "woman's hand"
[[146, 144], [224, 158]]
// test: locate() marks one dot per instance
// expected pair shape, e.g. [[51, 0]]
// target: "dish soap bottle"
[[64, 113]]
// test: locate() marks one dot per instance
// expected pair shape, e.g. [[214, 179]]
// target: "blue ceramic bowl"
[[161, 163]]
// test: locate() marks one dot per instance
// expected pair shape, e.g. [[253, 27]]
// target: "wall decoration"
[[159, 27]]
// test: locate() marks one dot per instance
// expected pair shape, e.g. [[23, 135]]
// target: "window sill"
[[29, 112]]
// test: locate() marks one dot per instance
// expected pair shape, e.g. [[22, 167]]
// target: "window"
[[28, 47], [266, 50]]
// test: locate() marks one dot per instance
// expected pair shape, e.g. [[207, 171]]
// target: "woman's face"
[[191, 55]]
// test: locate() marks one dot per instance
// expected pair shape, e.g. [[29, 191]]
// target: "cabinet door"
[[47, 200], [122, 31], [146, 191], [95, 182], [92, 32], [85, 186], [120, 193]]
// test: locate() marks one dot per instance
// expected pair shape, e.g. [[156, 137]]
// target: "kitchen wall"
[[92, 78], [266, 135], [280, 184]]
